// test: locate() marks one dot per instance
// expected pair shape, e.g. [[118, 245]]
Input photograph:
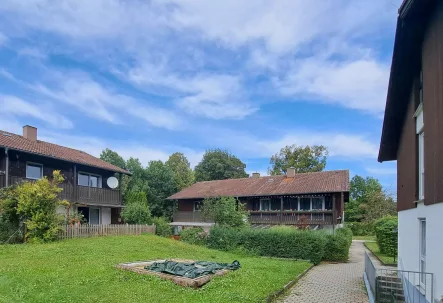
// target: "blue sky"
[[148, 78]]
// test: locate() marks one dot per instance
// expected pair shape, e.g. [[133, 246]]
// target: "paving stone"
[[333, 282]]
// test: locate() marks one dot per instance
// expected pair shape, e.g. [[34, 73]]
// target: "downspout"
[[7, 167]]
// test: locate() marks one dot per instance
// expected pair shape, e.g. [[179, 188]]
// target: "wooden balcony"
[[78, 194], [189, 216], [317, 217]]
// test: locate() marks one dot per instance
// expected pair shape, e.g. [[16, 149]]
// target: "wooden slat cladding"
[[407, 180], [433, 107]]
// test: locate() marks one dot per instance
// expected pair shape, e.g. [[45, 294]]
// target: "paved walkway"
[[329, 283]]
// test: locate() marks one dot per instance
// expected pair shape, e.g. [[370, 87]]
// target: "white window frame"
[[419, 127], [261, 203], [34, 164], [99, 182], [422, 250]]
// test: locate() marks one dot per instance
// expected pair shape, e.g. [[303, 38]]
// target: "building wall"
[[408, 242], [432, 64], [106, 215]]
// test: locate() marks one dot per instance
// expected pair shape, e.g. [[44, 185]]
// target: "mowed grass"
[[82, 270], [386, 260]]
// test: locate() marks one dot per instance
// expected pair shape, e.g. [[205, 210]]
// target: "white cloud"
[[32, 52], [15, 106], [381, 170], [3, 39], [359, 84]]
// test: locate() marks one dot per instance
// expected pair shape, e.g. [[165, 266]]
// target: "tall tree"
[[378, 205], [113, 157], [303, 158], [161, 185], [180, 166], [218, 164], [138, 182]]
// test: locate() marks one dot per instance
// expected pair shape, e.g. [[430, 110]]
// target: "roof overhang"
[[411, 25]]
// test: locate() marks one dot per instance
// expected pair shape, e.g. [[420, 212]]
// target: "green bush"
[[386, 233], [162, 227], [194, 235], [136, 213], [361, 228], [225, 211], [337, 247]]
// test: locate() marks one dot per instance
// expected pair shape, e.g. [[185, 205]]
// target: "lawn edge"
[[379, 259], [289, 285]]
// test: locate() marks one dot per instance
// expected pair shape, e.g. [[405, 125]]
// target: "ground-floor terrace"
[[324, 209]]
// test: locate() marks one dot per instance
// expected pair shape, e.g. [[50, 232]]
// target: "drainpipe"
[[7, 167]]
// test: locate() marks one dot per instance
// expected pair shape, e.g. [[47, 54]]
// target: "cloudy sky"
[[148, 78]]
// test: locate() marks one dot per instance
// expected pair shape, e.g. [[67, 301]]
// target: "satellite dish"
[[112, 182]]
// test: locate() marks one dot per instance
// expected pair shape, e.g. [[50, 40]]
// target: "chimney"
[[255, 175], [30, 132], [290, 173]]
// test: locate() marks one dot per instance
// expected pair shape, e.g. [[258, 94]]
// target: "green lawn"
[[82, 270], [386, 260], [365, 238]]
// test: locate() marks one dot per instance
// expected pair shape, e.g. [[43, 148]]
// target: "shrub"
[[386, 233], [194, 235], [225, 211], [361, 228], [136, 213], [337, 247], [10, 229], [162, 227]]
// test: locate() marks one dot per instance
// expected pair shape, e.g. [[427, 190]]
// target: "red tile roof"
[[318, 182], [46, 149]]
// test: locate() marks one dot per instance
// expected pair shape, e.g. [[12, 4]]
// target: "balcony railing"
[[189, 216], [317, 217], [78, 194]]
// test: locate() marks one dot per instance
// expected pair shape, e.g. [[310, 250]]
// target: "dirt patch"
[[139, 267]]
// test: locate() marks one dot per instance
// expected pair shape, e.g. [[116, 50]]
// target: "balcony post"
[[281, 209], [7, 167], [334, 215], [75, 198]]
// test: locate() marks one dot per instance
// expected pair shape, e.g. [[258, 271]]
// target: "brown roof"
[[319, 182], [46, 149]]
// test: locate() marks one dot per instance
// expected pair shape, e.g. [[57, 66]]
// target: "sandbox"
[[139, 267]]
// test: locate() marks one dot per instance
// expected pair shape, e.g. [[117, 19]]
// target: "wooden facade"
[[279, 210], [74, 193]]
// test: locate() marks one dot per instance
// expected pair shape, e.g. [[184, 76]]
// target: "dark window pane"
[[294, 203], [33, 171], [83, 180], [275, 204], [317, 203], [198, 205], [305, 203], [265, 204], [93, 181]]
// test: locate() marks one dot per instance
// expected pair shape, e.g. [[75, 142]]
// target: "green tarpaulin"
[[191, 270]]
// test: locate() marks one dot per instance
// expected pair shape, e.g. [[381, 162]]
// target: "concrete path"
[[331, 283]]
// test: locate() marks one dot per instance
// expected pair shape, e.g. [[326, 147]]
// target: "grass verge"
[[386, 260], [83, 270]]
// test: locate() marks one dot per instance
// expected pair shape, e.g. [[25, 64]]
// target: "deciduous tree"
[[218, 164], [303, 158], [180, 166]]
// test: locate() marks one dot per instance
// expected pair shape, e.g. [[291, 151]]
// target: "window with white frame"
[[422, 250], [34, 171], [90, 180], [421, 150], [265, 204]]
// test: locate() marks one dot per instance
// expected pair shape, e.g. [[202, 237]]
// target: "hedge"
[[314, 246], [194, 235], [162, 227], [361, 228], [387, 235]]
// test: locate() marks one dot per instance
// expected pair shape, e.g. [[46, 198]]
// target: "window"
[[198, 205], [317, 203], [34, 171], [89, 180], [275, 204], [305, 203], [290, 203], [421, 151], [265, 204], [422, 250]]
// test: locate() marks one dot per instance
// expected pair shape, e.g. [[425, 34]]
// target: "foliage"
[[361, 228], [53, 272], [225, 211], [161, 185], [360, 192], [136, 213], [113, 157], [37, 204], [10, 229], [218, 164], [74, 217], [385, 259], [162, 227], [303, 158], [378, 205], [194, 235], [181, 168], [138, 181], [283, 242], [136, 197], [386, 231], [337, 247]]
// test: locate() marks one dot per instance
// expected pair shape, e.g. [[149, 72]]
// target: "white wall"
[[106, 215], [408, 242]]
